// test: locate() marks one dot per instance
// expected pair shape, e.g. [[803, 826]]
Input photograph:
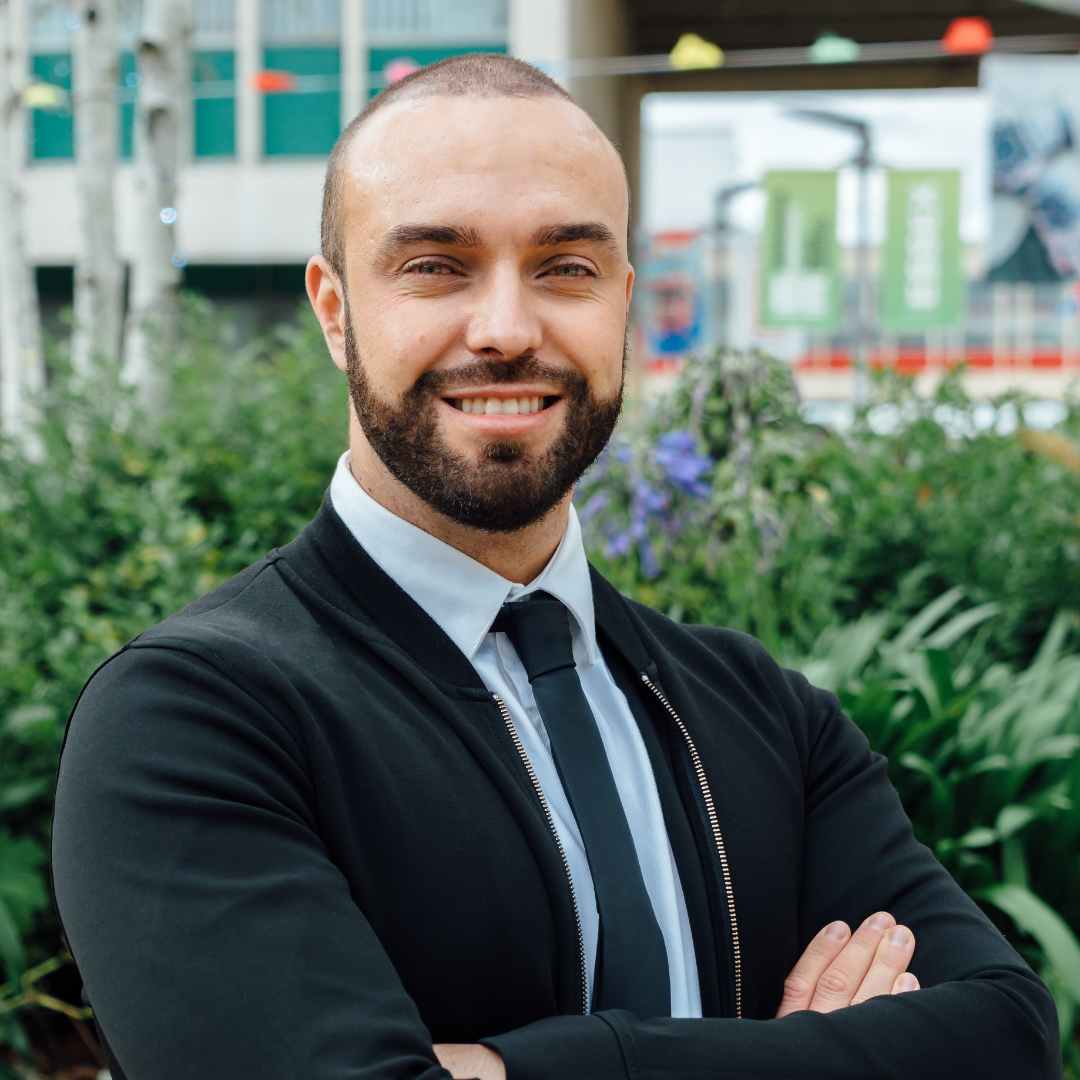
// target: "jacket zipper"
[[558, 843], [718, 838]]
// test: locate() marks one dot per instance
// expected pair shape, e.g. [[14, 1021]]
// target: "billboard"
[[921, 283], [800, 258], [672, 295]]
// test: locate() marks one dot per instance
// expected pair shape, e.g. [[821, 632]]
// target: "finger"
[[843, 977], [799, 986], [890, 962], [905, 983]]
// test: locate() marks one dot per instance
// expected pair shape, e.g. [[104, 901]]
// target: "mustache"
[[483, 370]]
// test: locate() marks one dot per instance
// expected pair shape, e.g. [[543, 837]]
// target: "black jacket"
[[295, 840]]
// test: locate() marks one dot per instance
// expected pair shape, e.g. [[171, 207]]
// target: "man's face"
[[487, 294]]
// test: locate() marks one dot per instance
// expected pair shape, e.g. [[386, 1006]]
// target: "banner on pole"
[[800, 258], [921, 283]]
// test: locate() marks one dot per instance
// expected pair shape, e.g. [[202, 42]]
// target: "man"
[[419, 793]]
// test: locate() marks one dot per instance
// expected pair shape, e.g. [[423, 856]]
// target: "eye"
[[570, 270], [430, 269]]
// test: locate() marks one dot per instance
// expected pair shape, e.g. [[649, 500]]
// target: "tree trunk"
[[163, 62], [21, 366], [98, 274]]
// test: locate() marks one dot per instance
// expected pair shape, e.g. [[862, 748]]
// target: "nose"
[[503, 324]]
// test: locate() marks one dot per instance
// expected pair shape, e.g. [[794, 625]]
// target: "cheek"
[[397, 342], [594, 343]]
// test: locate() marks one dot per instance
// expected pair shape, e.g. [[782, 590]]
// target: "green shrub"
[[723, 507], [986, 761], [119, 520], [720, 505]]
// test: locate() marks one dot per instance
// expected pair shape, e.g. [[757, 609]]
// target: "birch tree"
[[21, 366], [163, 62], [98, 273]]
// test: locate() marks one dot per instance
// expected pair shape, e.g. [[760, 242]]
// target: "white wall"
[[228, 212]]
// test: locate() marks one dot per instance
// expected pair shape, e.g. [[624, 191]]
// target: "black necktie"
[[631, 960]]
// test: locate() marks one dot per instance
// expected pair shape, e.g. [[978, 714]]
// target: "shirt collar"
[[460, 594]]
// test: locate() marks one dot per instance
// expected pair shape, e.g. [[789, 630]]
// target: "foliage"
[[786, 528], [986, 761], [119, 519], [721, 506]]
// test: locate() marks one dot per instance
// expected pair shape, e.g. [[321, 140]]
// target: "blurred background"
[[852, 424]]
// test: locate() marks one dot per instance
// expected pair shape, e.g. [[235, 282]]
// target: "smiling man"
[[421, 795]]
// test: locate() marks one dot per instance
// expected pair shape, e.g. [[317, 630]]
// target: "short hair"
[[478, 75]]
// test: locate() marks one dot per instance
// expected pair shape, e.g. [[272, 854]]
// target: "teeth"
[[499, 406]]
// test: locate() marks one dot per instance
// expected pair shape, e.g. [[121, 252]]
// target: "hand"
[[470, 1061], [840, 968]]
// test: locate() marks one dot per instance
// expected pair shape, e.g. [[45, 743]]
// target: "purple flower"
[[593, 506], [623, 454], [682, 466], [649, 566], [620, 544]]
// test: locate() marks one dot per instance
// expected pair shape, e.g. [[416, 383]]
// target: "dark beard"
[[508, 489]]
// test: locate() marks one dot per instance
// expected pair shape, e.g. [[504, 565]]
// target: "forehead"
[[467, 161]]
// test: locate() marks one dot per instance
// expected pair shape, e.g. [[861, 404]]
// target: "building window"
[[213, 74], [215, 104], [305, 120], [126, 65], [412, 33], [52, 129], [472, 21], [302, 37]]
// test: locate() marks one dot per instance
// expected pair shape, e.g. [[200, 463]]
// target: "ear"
[[327, 298], [629, 284]]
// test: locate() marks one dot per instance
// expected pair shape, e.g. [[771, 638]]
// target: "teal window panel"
[[215, 117], [379, 58], [308, 122], [51, 131], [127, 107]]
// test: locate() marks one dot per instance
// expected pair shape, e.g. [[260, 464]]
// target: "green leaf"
[[978, 837], [1035, 917], [1013, 818], [11, 953], [15, 795], [912, 634], [959, 625]]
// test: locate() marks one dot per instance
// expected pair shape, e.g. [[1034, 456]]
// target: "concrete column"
[[1002, 332], [539, 32], [249, 102], [1024, 323], [354, 60]]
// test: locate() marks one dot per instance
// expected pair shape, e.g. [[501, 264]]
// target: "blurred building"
[[273, 82]]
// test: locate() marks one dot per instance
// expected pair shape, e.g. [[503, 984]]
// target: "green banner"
[[800, 259], [921, 284]]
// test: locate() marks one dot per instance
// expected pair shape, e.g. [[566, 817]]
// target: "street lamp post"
[[722, 234], [862, 162]]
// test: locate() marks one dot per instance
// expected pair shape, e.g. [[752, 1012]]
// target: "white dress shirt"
[[463, 597]]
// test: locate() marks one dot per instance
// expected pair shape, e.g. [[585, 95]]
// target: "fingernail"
[[837, 930], [900, 936], [881, 921], [906, 983]]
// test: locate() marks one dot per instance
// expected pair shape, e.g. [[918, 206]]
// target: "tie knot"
[[539, 630]]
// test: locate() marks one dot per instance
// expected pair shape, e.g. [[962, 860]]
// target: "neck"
[[518, 556]]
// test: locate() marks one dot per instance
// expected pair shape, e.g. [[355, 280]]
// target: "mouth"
[[493, 406]]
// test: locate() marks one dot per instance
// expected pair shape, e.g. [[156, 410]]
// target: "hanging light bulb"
[[967, 36]]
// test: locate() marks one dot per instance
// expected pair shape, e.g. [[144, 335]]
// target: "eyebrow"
[[463, 236], [593, 231], [447, 235]]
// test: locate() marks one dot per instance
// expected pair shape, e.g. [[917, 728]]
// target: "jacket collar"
[[462, 595], [331, 561]]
